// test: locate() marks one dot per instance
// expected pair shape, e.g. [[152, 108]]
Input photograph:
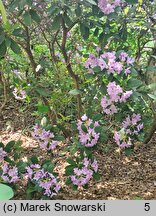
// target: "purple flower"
[[131, 126], [10, 173], [107, 6], [130, 61], [125, 96], [19, 94], [127, 71], [83, 175], [33, 170], [3, 154], [140, 127], [44, 180], [136, 118], [102, 64], [98, 49], [94, 165], [114, 95], [110, 63], [49, 184], [68, 34], [122, 140], [84, 117], [123, 56], [45, 138], [53, 145], [87, 138], [91, 62]]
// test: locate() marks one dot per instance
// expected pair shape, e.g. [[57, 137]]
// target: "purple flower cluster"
[[108, 6], [91, 62], [115, 94], [82, 176], [45, 180], [9, 173], [3, 154], [109, 62], [19, 94], [90, 137], [131, 126], [45, 138], [122, 140]]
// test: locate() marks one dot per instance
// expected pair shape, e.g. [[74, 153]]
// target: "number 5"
[[147, 207]]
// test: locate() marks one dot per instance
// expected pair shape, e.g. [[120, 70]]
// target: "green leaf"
[[8, 41], [43, 109], [1, 145], [88, 151], [50, 168], [2, 38], [7, 159], [71, 162], [74, 187], [96, 176], [34, 160], [67, 20], [9, 146], [83, 127], [96, 32], [69, 169], [31, 188], [3, 49], [128, 151], [75, 92], [56, 23], [153, 96], [134, 83], [18, 32], [86, 186], [98, 129], [103, 137], [97, 117], [35, 16], [84, 31], [3, 12], [91, 2], [27, 18], [42, 92], [59, 138], [68, 181], [21, 166], [152, 86], [78, 10], [6, 192], [15, 47], [132, 1], [151, 68]]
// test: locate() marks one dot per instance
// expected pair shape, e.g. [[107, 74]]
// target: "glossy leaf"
[[6, 192]]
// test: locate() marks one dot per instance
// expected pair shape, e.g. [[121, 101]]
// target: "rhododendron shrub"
[[39, 178], [82, 80]]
